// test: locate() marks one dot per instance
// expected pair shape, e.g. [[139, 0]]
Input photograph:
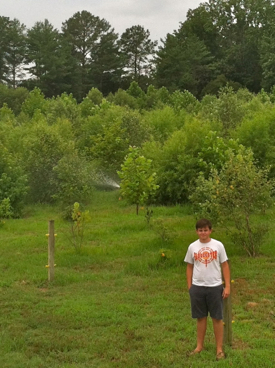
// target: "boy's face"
[[204, 234]]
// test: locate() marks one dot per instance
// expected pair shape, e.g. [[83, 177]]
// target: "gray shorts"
[[206, 300]]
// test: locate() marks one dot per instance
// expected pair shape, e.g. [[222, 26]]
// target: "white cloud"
[[159, 16]]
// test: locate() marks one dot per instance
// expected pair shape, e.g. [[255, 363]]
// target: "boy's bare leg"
[[201, 330], [218, 331]]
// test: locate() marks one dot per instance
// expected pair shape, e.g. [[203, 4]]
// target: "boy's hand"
[[226, 292]]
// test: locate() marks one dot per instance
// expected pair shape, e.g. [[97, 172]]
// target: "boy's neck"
[[205, 241]]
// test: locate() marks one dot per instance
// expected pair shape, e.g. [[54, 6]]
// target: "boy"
[[205, 258]]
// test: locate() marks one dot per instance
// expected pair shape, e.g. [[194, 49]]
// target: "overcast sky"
[[159, 16]]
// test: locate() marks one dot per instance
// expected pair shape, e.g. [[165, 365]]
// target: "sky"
[[158, 16]]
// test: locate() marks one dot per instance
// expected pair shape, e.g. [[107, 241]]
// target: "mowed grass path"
[[117, 303]]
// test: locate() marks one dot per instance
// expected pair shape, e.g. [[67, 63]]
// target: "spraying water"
[[101, 179]]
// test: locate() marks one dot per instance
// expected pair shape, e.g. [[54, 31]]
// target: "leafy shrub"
[[163, 122], [73, 182], [184, 100], [258, 133], [178, 164], [135, 91], [138, 181], [133, 126], [229, 109], [63, 107], [44, 146], [233, 196], [110, 146], [13, 184], [13, 98], [5, 210], [35, 101], [95, 96], [122, 98]]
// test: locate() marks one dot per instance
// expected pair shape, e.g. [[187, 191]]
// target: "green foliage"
[[122, 98], [6, 115], [163, 231], [88, 108], [73, 182], [95, 96], [63, 107], [107, 63], [215, 152], [163, 122], [138, 181], [184, 100], [137, 48], [148, 214], [80, 219], [164, 95], [49, 60], [214, 86], [43, 146], [136, 129], [14, 98], [93, 119], [230, 110], [234, 195], [13, 184], [135, 91], [218, 43], [183, 63], [151, 98], [178, 163], [258, 133], [35, 101], [227, 109], [5, 210], [12, 51], [110, 146], [83, 32]]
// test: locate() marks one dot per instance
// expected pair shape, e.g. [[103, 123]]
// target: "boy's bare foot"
[[194, 352], [220, 355]]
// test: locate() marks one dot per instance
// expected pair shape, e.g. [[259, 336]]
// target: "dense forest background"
[[220, 42], [199, 112]]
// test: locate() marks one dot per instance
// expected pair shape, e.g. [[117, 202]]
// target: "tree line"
[[220, 42], [86, 53], [164, 148]]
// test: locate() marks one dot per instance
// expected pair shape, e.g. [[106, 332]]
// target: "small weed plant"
[[148, 215], [162, 230], [80, 221], [5, 210]]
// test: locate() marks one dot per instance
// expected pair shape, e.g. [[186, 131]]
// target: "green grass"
[[117, 303]]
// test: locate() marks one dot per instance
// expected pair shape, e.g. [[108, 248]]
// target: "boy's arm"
[[189, 274], [226, 276]]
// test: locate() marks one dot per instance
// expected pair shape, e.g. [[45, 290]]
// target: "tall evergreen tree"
[[49, 58], [232, 32], [184, 64], [106, 65], [138, 51], [16, 52], [240, 24], [4, 22], [84, 32], [12, 51]]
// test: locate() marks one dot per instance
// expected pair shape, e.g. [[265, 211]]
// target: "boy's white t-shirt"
[[207, 259]]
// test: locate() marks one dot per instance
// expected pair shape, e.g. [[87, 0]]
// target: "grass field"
[[118, 302]]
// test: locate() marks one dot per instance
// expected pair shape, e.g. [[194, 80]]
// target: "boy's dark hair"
[[203, 223]]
